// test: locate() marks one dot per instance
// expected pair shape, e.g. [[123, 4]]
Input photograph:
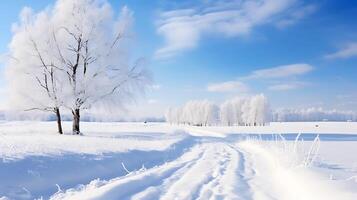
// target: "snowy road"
[[217, 170]]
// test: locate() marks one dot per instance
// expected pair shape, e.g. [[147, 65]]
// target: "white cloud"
[[4, 57], [348, 51], [152, 101], [286, 86], [155, 87], [280, 71], [229, 86], [183, 28]]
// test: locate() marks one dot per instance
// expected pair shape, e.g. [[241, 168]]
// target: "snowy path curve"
[[215, 169]]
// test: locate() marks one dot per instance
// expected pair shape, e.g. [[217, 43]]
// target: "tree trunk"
[[59, 122], [76, 120]]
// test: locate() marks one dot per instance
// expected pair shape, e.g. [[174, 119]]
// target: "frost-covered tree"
[[169, 115], [231, 112], [256, 111], [211, 113], [261, 110], [197, 113], [237, 107], [33, 75], [246, 113], [88, 47], [227, 116]]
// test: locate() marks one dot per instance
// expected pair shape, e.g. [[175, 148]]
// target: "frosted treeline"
[[253, 111], [313, 114]]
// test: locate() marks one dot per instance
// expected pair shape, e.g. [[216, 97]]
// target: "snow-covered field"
[[162, 161]]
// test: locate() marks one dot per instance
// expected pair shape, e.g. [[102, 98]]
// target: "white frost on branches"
[[199, 113], [73, 55]]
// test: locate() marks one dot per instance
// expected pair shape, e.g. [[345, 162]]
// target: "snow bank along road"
[[201, 167]]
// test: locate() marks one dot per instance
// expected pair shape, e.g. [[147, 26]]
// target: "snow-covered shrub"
[[289, 154]]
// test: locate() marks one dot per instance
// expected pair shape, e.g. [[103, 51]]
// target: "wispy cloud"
[[183, 28], [287, 86], [280, 71], [349, 50], [228, 86], [274, 73], [296, 15]]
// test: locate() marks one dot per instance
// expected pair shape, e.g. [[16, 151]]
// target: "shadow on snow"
[[37, 176]]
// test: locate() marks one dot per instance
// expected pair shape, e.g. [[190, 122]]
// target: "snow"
[[285, 180], [37, 142], [280, 127], [160, 161]]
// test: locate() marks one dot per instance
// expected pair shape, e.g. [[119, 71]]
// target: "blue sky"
[[299, 53]]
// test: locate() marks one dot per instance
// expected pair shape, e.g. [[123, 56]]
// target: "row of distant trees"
[[253, 111], [313, 114], [72, 56]]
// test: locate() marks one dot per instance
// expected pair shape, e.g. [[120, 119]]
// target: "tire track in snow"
[[209, 189], [203, 172], [207, 171], [154, 192], [231, 183], [127, 186]]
